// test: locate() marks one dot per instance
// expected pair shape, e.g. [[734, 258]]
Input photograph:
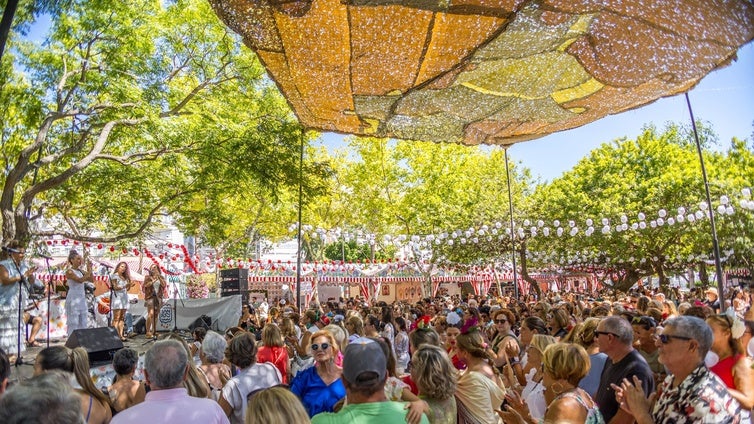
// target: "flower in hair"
[[469, 326], [453, 318], [423, 322], [737, 326]]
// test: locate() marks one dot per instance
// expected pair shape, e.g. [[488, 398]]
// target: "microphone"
[[108, 266], [41, 255]]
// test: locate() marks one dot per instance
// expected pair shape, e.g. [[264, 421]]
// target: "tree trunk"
[[664, 280], [703, 276], [525, 273]]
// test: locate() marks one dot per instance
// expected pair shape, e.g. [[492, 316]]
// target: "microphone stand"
[[49, 300], [21, 285]]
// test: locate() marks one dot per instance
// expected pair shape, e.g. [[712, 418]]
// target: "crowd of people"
[[639, 357]]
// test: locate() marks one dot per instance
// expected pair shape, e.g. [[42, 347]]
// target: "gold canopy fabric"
[[483, 71]]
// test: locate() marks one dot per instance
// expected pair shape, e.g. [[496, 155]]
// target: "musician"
[[14, 275], [154, 288], [35, 321], [76, 308], [120, 283]]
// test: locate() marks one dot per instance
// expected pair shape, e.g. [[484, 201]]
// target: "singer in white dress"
[[12, 268]]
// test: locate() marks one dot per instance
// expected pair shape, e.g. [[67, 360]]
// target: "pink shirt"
[[173, 406]]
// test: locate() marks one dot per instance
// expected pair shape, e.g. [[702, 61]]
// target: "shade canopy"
[[483, 71]]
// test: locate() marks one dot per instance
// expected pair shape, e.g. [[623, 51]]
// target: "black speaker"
[[100, 343], [202, 321], [235, 281]]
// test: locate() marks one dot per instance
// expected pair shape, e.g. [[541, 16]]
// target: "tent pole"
[[715, 245], [513, 233], [300, 207]]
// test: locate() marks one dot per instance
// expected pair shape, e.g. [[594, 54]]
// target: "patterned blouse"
[[700, 398]]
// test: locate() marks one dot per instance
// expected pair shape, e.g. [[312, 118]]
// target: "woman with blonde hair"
[[564, 364], [340, 339], [273, 350], [275, 405], [558, 320], [320, 387], [436, 379], [95, 405], [532, 398], [355, 327], [588, 340]]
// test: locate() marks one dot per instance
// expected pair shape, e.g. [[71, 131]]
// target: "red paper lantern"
[[99, 246], [75, 242], [49, 243], [112, 248]]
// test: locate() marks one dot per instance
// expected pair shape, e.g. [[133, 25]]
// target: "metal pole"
[[715, 245], [513, 233], [300, 207]]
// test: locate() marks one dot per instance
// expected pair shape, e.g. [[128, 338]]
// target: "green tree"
[[133, 111]]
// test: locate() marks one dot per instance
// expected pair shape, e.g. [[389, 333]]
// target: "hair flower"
[[423, 322], [453, 318], [737, 327], [470, 325]]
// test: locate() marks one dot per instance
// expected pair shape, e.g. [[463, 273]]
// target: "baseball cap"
[[364, 355]]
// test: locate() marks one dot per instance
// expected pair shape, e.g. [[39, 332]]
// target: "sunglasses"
[[323, 346], [604, 333], [646, 321], [666, 338], [501, 321]]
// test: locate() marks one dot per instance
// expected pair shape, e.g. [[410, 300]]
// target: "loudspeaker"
[[235, 281], [100, 343], [202, 321], [140, 326]]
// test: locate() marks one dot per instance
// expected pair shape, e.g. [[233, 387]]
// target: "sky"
[[724, 99]]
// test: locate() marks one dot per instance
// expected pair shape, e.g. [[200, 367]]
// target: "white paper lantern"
[[556, 223], [660, 222], [494, 231], [691, 217], [605, 221], [606, 229], [724, 199], [560, 231], [619, 228], [450, 242], [485, 227], [746, 192], [634, 226], [703, 206], [463, 240], [661, 213], [481, 232], [681, 210], [527, 223], [540, 223], [699, 214], [729, 210], [679, 218], [574, 231], [546, 231], [589, 222], [671, 221], [498, 225], [641, 216], [653, 224], [623, 218], [642, 225], [475, 240], [721, 209]]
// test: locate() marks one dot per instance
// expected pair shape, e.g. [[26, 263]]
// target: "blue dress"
[[314, 393]]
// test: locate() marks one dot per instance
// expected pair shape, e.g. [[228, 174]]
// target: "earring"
[[557, 390]]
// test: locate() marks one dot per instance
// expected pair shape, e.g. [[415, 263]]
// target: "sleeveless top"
[[593, 415], [724, 369], [76, 296]]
